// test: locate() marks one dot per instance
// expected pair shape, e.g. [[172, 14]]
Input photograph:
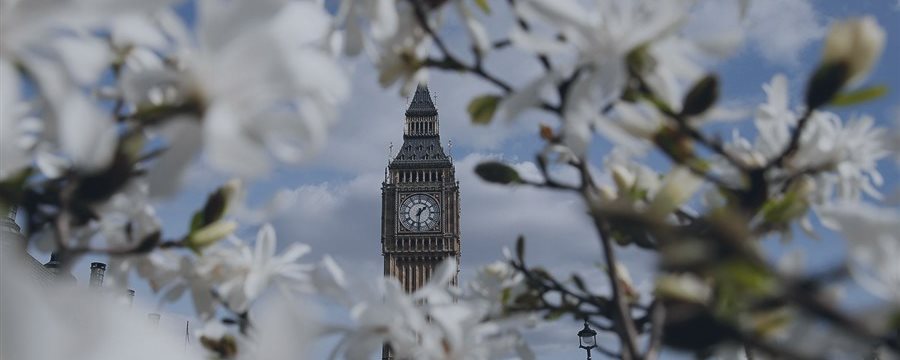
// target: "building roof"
[[421, 104], [12, 247], [420, 150]]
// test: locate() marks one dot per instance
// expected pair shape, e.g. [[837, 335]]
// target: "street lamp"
[[587, 339]]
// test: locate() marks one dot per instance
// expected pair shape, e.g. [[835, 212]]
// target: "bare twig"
[[657, 320], [793, 144], [451, 62], [542, 58], [626, 329]]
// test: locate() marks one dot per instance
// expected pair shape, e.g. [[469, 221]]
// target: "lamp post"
[[587, 339]]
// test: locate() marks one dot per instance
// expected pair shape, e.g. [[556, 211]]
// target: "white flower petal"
[[87, 134]]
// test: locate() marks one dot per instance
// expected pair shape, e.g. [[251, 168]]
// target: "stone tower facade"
[[420, 201]]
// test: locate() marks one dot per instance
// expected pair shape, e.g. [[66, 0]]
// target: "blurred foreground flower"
[[873, 236], [62, 322]]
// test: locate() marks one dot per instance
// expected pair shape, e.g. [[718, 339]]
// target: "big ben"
[[420, 201]]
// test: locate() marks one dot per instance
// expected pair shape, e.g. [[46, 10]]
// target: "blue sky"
[[337, 194]]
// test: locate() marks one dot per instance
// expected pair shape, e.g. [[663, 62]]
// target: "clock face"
[[420, 212]]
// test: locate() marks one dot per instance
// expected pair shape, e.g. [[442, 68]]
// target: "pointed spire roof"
[[421, 104]]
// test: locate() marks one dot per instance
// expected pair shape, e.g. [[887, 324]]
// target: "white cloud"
[[777, 30], [780, 30]]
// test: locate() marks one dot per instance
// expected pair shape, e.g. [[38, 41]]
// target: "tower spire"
[[421, 116], [421, 104]]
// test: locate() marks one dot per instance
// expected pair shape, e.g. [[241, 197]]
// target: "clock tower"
[[420, 201]]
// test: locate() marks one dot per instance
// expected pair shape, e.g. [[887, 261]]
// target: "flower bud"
[[210, 234], [856, 42], [685, 287], [678, 186], [623, 177]]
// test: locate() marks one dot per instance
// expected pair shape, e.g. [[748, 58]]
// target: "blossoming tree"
[[104, 104]]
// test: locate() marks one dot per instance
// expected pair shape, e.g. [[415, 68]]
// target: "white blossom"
[[285, 329], [498, 284], [602, 36], [842, 154], [393, 318], [849, 151], [873, 236], [381, 16], [247, 273], [460, 326], [399, 57], [263, 77]]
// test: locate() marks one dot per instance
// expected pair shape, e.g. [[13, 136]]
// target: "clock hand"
[[419, 213]]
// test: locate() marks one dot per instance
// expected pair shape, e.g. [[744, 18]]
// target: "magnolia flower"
[[126, 220], [498, 284], [678, 186], [849, 152], [603, 36], [843, 154], [54, 42], [685, 287], [393, 317], [460, 331], [773, 121], [381, 15], [476, 31], [437, 321], [285, 330], [399, 57], [873, 236], [398, 43], [635, 182], [262, 77], [248, 273], [462, 326], [632, 126], [856, 42], [200, 278]]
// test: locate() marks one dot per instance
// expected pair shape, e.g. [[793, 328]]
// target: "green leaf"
[[859, 96], [701, 97], [498, 173], [505, 294], [481, 109], [483, 5], [825, 83], [746, 277]]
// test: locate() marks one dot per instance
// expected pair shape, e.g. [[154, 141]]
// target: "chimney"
[[97, 270], [153, 318]]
